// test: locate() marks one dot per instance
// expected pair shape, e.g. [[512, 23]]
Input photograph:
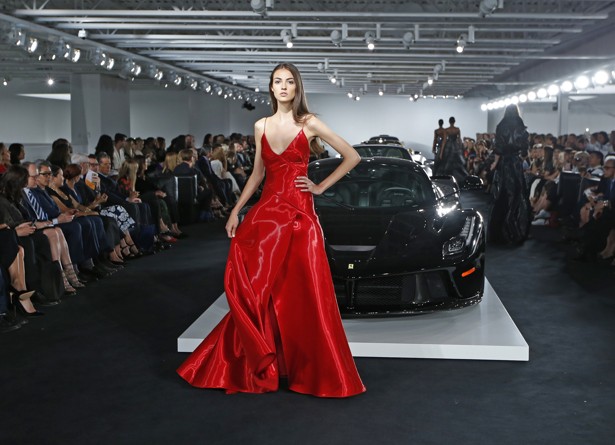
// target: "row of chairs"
[[184, 189]]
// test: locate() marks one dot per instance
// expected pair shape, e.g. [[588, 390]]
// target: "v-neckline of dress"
[[287, 146]]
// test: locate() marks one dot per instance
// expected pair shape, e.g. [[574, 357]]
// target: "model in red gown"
[[283, 317]]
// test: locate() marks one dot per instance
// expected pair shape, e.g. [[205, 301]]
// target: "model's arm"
[[252, 184], [316, 128]]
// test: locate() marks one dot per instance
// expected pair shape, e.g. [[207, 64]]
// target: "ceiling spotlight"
[[601, 77], [541, 93], [349, 94], [135, 69], [31, 45], [370, 39], [430, 80], [50, 81], [260, 6], [287, 37], [336, 37], [380, 92], [553, 90], [109, 63], [5, 81], [333, 77], [99, 57], [218, 90], [514, 100], [461, 43], [62, 50], [408, 39], [581, 82], [357, 97], [82, 34], [75, 55], [257, 89], [566, 86], [487, 7], [194, 84], [531, 95], [17, 37], [522, 98], [483, 107]]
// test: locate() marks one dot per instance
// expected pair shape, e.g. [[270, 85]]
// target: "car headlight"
[[457, 244]]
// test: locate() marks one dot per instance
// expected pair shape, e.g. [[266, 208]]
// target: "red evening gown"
[[283, 319]]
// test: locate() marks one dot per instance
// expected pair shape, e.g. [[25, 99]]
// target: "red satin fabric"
[[284, 318]]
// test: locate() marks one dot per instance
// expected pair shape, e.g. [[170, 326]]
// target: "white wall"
[[168, 113], [412, 122], [159, 112]]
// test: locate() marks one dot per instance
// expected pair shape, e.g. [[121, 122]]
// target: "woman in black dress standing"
[[449, 160], [511, 212]]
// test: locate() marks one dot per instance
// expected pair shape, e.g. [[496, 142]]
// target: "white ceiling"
[[227, 42]]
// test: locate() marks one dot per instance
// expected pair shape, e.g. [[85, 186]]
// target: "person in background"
[[18, 153], [119, 153], [5, 158], [511, 212]]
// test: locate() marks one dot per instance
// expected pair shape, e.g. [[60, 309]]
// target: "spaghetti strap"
[[265, 126]]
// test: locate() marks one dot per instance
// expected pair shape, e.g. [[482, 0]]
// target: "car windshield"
[[386, 151], [376, 185]]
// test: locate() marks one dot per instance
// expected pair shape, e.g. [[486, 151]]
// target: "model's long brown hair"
[[301, 113]]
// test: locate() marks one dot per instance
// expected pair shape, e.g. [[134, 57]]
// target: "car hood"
[[366, 242]]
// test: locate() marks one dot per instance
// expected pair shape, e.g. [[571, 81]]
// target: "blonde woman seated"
[[219, 166]]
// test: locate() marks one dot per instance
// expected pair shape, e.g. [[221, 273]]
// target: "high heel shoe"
[[68, 289], [18, 306], [21, 294], [70, 278]]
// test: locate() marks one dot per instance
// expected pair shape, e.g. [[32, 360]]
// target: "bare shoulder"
[[259, 125], [314, 125]]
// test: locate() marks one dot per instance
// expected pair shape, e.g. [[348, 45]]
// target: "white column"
[[99, 105], [562, 113]]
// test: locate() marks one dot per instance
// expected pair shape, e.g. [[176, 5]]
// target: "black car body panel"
[[398, 243]]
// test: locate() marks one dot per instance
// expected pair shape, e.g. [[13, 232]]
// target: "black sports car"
[[398, 242]]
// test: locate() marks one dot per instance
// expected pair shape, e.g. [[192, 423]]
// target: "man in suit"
[[186, 168]]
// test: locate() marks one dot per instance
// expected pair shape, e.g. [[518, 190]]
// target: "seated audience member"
[[220, 167], [87, 193], [144, 233], [598, 216], [8, 322], [595, 164], [80, 233], [146, 186], [108, 237], [12, 264], [545, 203], [580, 164], [119, 153], [235, 165], [18, 153], [186, 168], [15, 212], [127, 178], [104, 145], [171, 160], [203, 164], [61, 152], [5, 158]]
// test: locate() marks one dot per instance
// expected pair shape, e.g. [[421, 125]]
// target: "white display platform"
[[481, 332]]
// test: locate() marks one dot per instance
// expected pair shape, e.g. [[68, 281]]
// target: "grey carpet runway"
[[100, 367]]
